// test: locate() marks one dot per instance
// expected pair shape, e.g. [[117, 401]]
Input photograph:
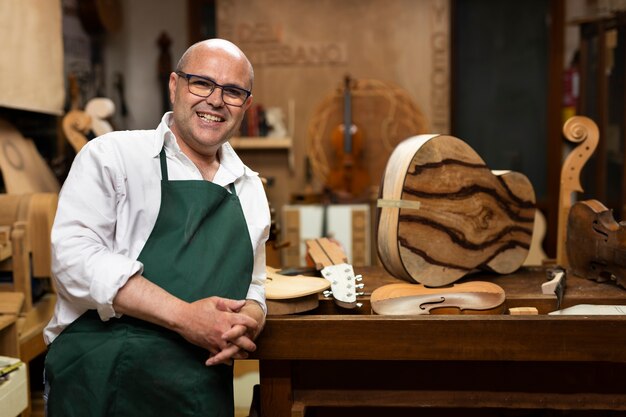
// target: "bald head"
[[215, 45]]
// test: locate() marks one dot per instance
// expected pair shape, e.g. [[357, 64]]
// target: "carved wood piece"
[[324, 252], [536, 254], [584, 131], [523, 311], [477, 297], [23, 168], [596, 243], [468, 216], [76, 124], [37, 211], [100, 109], [283, 287], [292, 305], [292, 294]]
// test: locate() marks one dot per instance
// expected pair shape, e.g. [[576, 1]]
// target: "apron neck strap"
[[163, 165], [164, 171]]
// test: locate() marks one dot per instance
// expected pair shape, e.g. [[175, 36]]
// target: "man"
[[158, 254]]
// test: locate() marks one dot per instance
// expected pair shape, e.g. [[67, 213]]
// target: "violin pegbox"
[[344, 284]]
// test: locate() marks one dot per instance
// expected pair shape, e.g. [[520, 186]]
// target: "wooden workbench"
[[334, 362]]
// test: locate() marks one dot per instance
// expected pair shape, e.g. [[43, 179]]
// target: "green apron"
[[126, 367]]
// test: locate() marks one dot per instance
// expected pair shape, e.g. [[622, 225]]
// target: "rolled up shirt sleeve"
[[256, 291], [88, 268], [256, 211]]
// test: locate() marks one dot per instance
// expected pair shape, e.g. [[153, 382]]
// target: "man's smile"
[[209, 117]]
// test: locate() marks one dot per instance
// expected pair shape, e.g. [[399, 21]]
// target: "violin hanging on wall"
[[347, 179]]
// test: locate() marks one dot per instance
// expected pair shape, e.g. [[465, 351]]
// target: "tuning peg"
[[359, 305], [360, 293], [358, 278], [359, 286], [327, 293]]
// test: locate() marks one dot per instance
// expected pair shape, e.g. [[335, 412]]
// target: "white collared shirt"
[[108, 206]]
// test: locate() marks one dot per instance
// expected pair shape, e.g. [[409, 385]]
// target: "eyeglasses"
[[203, 87]]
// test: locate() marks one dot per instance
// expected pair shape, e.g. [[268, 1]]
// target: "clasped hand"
[[223, 327]]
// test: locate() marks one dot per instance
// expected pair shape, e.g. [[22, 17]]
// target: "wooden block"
[[523, 311], [6, 251], [5, 235], [11, 302], [41, 212], [292, 306]]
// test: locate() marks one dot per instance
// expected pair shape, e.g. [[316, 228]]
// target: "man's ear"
[[248, 103], [172, 86]]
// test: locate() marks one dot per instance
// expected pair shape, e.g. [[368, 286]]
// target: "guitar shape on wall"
[[347, 179], [332, 262]]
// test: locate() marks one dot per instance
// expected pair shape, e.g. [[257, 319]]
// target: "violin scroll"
[[581, 130], [584, 131], [76, 124]]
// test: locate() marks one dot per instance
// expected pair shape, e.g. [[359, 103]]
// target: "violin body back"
[[596, 243], [443, 213], [476, 297]]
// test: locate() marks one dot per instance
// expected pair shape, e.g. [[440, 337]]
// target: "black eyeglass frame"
[[215, 85]]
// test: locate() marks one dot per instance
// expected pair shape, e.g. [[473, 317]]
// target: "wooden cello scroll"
[[76, 124], [477, 297], [596, 243], [584, 131]]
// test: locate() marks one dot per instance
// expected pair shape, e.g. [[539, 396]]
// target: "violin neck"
[[347, 118]]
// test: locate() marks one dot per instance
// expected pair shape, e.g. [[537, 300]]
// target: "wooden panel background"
[[301, 51], [31, 40]]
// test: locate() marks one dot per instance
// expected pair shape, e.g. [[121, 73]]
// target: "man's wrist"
[[256, 303]]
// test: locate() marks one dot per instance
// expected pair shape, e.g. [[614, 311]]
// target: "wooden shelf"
[[260, 143]]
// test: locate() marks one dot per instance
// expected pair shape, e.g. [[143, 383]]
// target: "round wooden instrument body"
[[469, 217]]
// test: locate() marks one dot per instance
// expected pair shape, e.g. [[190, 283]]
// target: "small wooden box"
[[347, 223]]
